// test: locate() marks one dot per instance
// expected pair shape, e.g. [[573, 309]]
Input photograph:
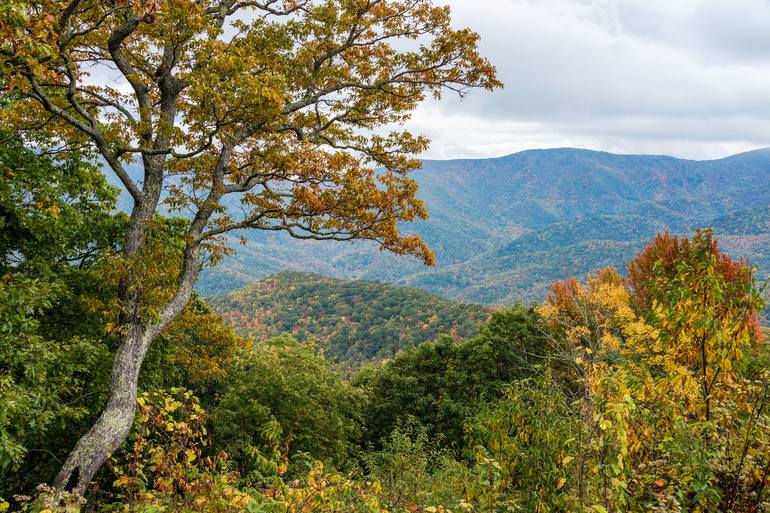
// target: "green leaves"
[[53, 212], [283, 389], [442, 383], [39, 377], [527, 439]]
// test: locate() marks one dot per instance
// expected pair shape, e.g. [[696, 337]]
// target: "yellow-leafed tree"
[[666, 366]]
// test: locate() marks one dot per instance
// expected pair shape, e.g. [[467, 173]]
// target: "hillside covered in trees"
[[638, 391], [644, 390], [353, 321], [643, 393]]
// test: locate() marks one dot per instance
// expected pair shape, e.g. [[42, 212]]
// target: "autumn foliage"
[[670, 399], [663, 258], [639, 393], [275, 115]]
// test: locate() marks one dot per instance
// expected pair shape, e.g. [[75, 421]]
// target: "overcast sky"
[[689, 78]]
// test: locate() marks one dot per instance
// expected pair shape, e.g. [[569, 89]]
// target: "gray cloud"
[[685, 77]]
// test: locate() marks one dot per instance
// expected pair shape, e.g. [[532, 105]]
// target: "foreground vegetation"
[[640, 393]]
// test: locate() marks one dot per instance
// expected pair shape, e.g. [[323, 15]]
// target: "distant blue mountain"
[[504, 228]]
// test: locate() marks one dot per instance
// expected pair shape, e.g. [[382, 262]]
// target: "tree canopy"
[[279, 115]]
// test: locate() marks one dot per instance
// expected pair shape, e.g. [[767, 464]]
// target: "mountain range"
[[504, 228]]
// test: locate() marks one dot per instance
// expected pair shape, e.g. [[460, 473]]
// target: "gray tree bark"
[[113, 425]]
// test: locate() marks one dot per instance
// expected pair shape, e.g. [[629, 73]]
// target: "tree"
[[704, 304], [59, 233], [589, 326], [56, 217], [440, 384], [40, 379], [671, 367], [53, 212], [284, 113], [529, 434], [284, 384]]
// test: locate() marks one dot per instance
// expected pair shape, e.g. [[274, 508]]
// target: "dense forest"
[[640, 386], [352, 321], [643, 393]]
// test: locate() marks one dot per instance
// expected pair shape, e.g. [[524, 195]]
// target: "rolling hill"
[[504, 228], [353, 321]]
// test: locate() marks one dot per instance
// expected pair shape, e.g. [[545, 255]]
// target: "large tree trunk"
[[113, 425], [115, 422]]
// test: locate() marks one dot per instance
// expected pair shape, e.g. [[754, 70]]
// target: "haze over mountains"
[[504, 228]]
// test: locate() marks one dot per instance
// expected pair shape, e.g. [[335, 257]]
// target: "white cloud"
[[684, 77]]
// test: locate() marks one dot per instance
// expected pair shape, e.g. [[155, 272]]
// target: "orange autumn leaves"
[[293, 112], [664, 360]]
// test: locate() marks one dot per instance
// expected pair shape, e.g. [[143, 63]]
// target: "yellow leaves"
[[578, 335], [240, 502], [594, 319], [657, 375], [164, 454], [560, 483], [171, 406], [121, 481], [610, 342], [286, 93], [111, 328]]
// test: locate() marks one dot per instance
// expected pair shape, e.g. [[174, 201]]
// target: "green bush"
[[442, 383], [287, 383]]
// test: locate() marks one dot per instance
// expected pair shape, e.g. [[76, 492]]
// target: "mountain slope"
[[523, 269], [747, 233], [750, 221], [578, 204], [353, 321]]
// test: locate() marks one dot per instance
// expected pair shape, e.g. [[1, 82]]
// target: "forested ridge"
[[504, 228], [352, 321]]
